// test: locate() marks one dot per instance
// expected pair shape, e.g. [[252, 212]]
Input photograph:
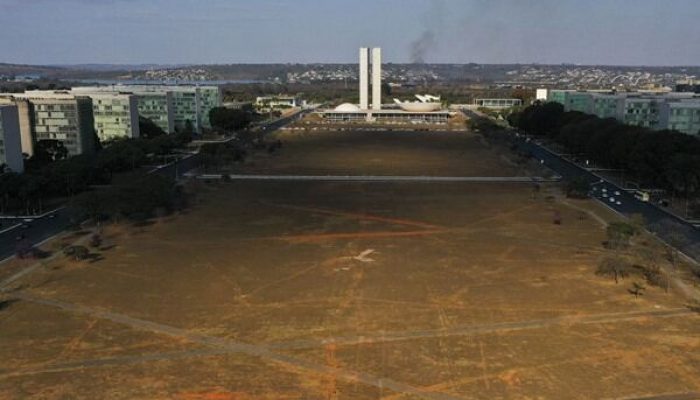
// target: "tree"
[[77, 253], [613, 266], [637, 290], [619, 234], [47, 151], [229, 119], [148, 129], [577, 187]]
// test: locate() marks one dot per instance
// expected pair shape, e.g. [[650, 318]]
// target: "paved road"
[[668, 227], [36, 231], [381, 178], [48, 226]]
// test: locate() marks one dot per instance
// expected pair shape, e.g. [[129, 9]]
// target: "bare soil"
[[319, 290]]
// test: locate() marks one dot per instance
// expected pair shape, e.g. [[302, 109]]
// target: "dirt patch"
[[350, 290]]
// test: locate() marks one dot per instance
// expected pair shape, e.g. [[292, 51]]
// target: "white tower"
[[364, 78], [376, 78]]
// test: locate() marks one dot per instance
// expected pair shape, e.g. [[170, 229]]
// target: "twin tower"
[[376, 78]]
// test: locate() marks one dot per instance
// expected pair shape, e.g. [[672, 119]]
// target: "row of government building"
[[79, 116], [678, 111]]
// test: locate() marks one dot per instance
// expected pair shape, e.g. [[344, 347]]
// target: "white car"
[[619, 203], [605, 194], [617, 193], [612, 199], [605, 190]]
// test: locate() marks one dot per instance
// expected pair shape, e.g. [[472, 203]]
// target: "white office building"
[[10, 139]]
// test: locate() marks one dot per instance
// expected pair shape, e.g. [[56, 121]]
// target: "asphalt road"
[[36, 231], [673, 230], [43, 228]]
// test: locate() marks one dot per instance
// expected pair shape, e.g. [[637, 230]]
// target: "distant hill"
[[116, 67], [20, 69], [560, 75]]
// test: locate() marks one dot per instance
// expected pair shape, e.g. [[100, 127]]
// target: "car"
[[619, 203], [605, 190], [617, 193], [605, 194], [612, 199]]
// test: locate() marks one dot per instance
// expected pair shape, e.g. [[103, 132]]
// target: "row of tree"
[[229, 120], [51, 174], [663, 159], [140, 198]]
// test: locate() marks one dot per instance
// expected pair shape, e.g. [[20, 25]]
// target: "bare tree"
[[637, 290], [615, 267]]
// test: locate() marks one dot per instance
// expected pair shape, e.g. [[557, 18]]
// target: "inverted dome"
[[347, 107], [420, 107]]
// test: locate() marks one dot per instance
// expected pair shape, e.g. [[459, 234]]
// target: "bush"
[[577, 188]]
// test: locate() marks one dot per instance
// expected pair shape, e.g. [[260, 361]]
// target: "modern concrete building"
[[386, 116], [642, 111], [498, 103], [428, 110], [185, 110], [159, 108], [558, 96], [116, 114], [25, 112], [10, 139], [364, 78], [653, 110], [277, 102], [172, 107], [376, 79], [59, 115], [607, 105], [682, 115], [209, 97], [541, 94]]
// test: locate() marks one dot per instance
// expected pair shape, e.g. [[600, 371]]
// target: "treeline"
[[50, 174], [138, 199], [661, 159]]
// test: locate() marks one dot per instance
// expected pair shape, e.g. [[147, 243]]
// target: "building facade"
[[606, 105], [658, 111], [171, 107], [158, 107], [25, 112], [498, 103], [116, 115], [185, 110], [63, 117], [209, 98], [681, 115], [642, 112], [10, 139]]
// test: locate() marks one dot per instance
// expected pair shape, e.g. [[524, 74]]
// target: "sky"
[[611, 32]]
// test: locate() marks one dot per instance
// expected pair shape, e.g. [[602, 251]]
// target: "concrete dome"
[[347, 107], [420, 107]]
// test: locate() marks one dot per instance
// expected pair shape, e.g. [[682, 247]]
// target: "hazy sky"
[[631, 32]]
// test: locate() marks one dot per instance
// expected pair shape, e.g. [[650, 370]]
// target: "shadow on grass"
[[5, 304], [144, 223]]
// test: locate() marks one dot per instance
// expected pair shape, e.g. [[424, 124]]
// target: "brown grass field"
[[321, 290]]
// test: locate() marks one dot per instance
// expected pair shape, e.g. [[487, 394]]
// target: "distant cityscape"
[[657, 98], [563, 76]]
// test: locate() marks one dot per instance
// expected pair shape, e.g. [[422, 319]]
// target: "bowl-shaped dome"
[[420, 107], [347, 107]]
